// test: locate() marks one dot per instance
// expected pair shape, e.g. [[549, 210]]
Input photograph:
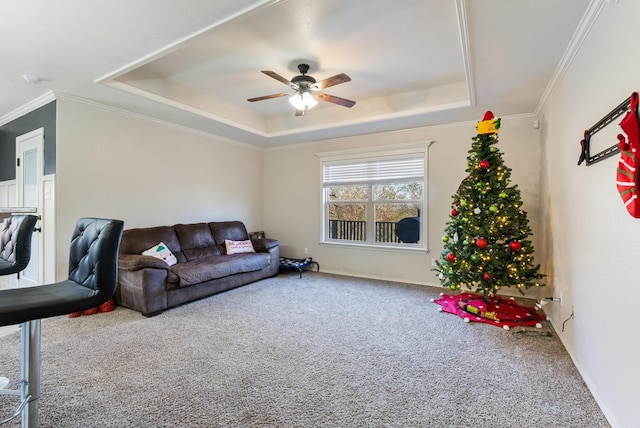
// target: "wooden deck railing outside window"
[[352, 230]]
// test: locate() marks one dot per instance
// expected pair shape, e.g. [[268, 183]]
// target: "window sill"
[[409, 249]]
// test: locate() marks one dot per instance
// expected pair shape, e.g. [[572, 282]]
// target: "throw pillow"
[[235, 247], [161, 251]]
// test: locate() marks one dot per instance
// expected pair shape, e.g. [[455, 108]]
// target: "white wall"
[[594, 242], [114, 165], [8, 193], [293, 195]]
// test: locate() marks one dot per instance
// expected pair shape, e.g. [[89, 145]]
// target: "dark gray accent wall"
[[43, 117]]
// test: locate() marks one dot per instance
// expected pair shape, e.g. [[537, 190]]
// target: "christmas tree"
[[485, 241]]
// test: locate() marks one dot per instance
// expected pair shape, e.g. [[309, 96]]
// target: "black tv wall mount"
[[585, 144]]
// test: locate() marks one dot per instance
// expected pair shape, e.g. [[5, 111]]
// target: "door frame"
[[37, 136]]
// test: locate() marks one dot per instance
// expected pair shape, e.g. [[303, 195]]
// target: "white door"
[[29, 167]]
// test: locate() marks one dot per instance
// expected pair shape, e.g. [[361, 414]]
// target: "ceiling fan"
[[307, 90]]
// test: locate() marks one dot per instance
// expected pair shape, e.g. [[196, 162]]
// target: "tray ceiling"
[[412, 62]]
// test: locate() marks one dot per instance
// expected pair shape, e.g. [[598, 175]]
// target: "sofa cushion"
[[231, 230], [196, 240], [135, 241], [198, 253], [214, 267]]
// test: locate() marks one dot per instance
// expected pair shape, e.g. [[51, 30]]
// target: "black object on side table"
[[297, 264]]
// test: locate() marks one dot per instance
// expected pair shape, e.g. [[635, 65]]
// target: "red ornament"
[[486, 276], [454, 212], [515, 245], [482, 243], [451, 257], [484, 164], [488, 115]]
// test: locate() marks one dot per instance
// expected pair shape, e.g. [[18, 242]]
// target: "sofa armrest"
[[133, 262], [143, 290], [264, 244]]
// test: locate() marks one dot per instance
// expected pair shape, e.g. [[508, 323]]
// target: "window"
[[374, 199]]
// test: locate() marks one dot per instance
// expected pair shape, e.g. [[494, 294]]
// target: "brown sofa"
[[149, 285]]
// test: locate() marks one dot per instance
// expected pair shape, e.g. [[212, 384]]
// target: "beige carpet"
[[321, 351]]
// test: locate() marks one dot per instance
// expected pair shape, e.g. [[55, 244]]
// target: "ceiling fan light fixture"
[[306, 89], [303, 101]]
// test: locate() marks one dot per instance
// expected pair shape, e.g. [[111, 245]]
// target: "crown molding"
[[584, 27], [463, 28], [28, 108]]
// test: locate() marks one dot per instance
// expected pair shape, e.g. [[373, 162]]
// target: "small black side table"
[[297, 264]]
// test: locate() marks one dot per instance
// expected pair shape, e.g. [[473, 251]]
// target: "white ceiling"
[[195, 62]]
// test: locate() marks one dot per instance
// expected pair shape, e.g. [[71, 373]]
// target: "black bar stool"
[[93, 274], [15, 249], [15, 243]]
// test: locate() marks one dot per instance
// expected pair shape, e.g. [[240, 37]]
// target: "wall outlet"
[[306, 251]]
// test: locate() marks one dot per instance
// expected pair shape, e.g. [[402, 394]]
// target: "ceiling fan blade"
[[277, 77], [332, 81], [268, 97], [333, 99]]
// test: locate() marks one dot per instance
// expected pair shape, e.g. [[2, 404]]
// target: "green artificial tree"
[[485, 241]]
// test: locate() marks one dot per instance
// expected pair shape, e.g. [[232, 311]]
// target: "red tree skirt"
[[496, 310]]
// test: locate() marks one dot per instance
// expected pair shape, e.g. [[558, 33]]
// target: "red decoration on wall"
[[627, 174]]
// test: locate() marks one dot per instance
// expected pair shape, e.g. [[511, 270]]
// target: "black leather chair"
[[15, 243], [93, 274], [15, 249]]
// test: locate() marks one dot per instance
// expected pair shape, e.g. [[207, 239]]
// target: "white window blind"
[[388, 169]]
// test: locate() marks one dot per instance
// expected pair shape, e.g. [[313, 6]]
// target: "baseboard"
[[379, 278], [587, 380], [504, 292]]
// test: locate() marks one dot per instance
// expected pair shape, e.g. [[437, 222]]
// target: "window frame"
[[368, 154]]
